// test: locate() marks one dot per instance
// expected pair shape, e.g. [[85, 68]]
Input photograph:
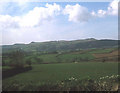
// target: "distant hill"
[[53, 46]]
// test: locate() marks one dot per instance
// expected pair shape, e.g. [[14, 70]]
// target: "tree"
[[38, 60], [17, 58], [28, 62], [3, 63]]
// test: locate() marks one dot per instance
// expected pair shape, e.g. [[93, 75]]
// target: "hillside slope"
[[53, 46]]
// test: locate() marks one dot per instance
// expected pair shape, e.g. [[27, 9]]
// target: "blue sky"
[[12, 8], [39, 22]]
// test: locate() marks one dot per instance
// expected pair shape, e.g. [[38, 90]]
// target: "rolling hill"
[[61, 46]]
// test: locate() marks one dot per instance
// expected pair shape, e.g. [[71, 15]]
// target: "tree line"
[[18, 59]]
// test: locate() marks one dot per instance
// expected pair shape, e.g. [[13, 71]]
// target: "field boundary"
[[14, 71]]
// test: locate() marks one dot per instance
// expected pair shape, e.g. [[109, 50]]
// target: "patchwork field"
[[76, 56], [90, 69]]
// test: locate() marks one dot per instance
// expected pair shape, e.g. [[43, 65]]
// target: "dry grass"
[[111, 54]]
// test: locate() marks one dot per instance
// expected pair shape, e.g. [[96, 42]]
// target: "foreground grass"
[[53, 75]]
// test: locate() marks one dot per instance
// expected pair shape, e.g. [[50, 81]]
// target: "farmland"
[[78, 56], [52, 66], [52, 73]]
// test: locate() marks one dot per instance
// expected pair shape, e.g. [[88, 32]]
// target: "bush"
[[106, 83]]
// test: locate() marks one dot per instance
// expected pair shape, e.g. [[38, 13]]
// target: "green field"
[[58, 72], [83, 55], [66, 57]]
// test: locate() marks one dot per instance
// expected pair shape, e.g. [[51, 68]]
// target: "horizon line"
[[55, 41]]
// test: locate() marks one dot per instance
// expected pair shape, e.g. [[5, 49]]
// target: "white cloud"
[[34, 17], [101, 13], [111, 10], [9, 7], [37, 24], [34, 25], [39, 14], [77, 13], [6, 21], [46, 32]]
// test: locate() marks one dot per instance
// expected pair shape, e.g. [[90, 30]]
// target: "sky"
[[25, 22]]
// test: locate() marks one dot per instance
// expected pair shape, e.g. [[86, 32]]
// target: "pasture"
[[79, 56], [52, 73]]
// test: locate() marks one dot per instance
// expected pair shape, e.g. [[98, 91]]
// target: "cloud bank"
[[78, 13], [37, 24], [33, 18], [39, 15]]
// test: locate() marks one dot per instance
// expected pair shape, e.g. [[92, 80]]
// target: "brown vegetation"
[[111, 54]]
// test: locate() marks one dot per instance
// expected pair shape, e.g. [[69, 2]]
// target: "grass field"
[[68, 57], [57, 72], [73, 56]]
